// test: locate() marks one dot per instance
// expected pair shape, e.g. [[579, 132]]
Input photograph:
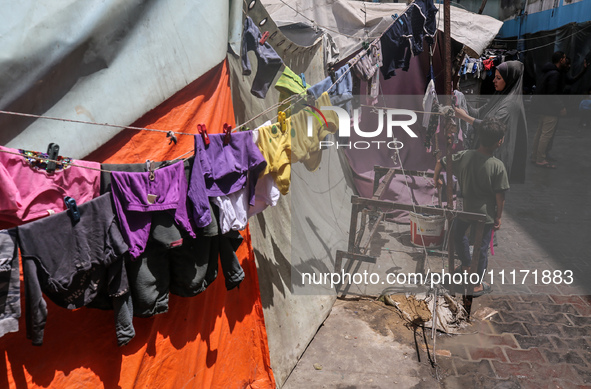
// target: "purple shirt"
[[135, 196], [223, 169]]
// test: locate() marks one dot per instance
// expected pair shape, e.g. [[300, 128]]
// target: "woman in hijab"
[[506, 105]]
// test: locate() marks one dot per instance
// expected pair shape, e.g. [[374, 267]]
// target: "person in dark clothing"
[[568, 81], [506, 105], [552, 84]]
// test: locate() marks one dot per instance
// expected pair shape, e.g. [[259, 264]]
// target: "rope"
[[53, 160], [92, 123]]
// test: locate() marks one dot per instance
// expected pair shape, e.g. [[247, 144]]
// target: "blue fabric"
[[268, 61], [341, 94]]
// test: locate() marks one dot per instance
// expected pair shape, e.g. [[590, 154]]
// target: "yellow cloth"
[[280, 148]]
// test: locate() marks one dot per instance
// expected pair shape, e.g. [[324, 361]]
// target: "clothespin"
[[264, 38], [281, 119], [244, 128], [150, 166], [228, 131], [331, 73], [203, 131], [73, 211], [172, 137], [303, 79], [53, 151]]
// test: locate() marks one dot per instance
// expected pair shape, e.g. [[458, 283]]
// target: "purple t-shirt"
[[223, 169], [135, 196]]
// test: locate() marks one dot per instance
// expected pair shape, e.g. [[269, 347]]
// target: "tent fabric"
[[216, 339], [282, 251], [103, 62], [352, 22]]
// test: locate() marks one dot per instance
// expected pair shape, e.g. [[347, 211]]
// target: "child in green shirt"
[[483, 181]]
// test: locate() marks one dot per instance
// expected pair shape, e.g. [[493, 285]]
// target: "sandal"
[[486, 289], [546, 165]]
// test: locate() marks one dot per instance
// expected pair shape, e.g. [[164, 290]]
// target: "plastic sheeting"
[[214, 340], [351, 22], [102, 61]]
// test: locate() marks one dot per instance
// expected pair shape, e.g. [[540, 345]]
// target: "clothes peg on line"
[[303, 79], [73, 211], [203, 131], [53, 150], [150, 167], [331, 73], [228, 131], [264, 38], [281, 117], [172, 137]]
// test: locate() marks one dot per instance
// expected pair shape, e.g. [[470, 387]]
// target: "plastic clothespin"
[[150, 166], [281, 119], [228, 131], [203, 131], [73, 210], [244, 128], [331, 73], [172, 137], [303, 79], [264, 38], [53, 151]]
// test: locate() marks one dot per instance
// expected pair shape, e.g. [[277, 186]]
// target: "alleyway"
[[541, 335]]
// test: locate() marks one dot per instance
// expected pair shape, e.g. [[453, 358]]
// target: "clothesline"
[[92, 123], [53, 160], [75, 165], [299, 97]]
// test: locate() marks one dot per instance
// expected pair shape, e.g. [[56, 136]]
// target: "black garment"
[[405, 37], [268, 61], [552, 83], [174, 262], [76, 265]]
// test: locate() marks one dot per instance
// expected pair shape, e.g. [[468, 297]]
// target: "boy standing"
[[483, 181]]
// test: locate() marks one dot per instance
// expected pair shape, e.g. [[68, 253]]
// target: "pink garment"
[[28, 192]]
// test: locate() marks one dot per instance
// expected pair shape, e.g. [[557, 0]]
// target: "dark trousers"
[[462, 243]]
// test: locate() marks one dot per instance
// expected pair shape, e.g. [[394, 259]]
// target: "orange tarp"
[[214, 340]]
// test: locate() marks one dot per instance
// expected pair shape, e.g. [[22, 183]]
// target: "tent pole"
[[448, 92]]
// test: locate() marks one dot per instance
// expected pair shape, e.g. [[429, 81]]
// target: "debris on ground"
[[452, 318]]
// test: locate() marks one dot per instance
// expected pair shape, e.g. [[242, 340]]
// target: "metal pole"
[[448, 92]]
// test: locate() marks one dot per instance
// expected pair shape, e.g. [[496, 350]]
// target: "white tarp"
[[352, 22], [103, 61]]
